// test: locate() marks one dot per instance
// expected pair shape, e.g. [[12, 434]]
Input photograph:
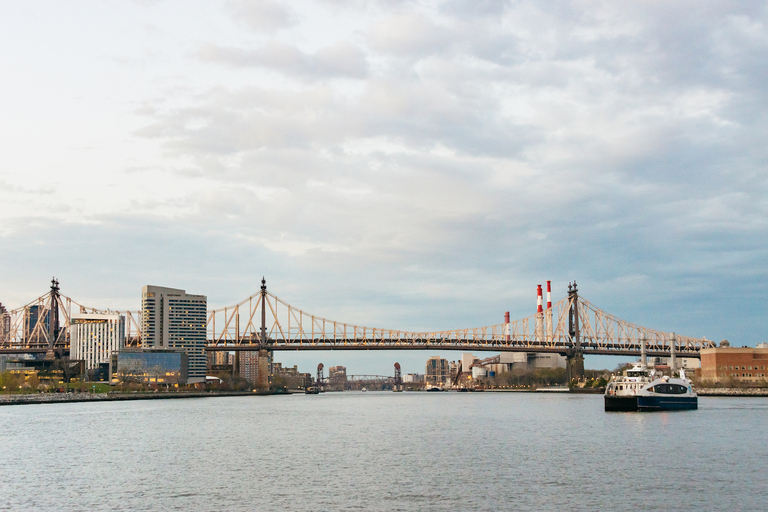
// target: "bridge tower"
[[53, 319], [262, 376], [575, 354], [398, 382]]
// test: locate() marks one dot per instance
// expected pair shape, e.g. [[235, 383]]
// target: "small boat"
[[312, 390], [364, 390], [434, 388], [639, 389]]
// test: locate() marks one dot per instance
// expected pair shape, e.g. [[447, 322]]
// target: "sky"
[[405, 165]]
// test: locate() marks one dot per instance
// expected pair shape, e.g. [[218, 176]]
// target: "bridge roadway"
[[587, 348]]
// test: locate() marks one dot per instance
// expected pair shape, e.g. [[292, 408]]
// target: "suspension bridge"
[[573, 327]]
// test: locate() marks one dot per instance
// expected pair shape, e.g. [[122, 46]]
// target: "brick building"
[[723, 364]]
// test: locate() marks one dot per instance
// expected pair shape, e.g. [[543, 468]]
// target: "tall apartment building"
[[248, 365], [93, 337], [174, 319]]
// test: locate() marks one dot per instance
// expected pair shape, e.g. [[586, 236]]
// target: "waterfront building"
[[527, 361], [174, 319], [413, 378], [467, 360], [337, 377], [731, 364], [437, 371], [161, 366], [248, 365], [291, 377], [686, 363], [220, 358], [94, 336]]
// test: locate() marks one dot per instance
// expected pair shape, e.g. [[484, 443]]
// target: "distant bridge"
[[573, 327]]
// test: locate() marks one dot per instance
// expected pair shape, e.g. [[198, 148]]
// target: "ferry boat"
[[639, 389]]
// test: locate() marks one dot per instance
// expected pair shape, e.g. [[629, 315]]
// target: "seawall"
[[732, 391], [56, 398]]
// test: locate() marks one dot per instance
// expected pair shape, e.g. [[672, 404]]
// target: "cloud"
[[342, 59], [262, 16], [411, 35], [424, 165]]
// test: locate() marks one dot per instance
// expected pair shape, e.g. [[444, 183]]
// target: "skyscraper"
[[172, 318]]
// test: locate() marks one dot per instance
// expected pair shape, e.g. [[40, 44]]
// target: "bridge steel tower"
[[53, 319], [575, 354], [262, 376]]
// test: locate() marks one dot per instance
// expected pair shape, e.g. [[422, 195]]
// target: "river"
[[383, 451]]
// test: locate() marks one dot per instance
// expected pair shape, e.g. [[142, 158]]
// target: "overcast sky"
[[407, 165]]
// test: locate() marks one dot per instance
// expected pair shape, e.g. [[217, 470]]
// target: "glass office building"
[[149, 366]]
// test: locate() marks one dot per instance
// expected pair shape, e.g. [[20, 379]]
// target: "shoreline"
[[732, 392], [61, 398]]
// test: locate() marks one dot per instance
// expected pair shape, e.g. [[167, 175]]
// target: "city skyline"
[[415, 166]]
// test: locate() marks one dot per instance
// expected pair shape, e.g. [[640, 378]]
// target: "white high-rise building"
[[172, 318], [94, 336]]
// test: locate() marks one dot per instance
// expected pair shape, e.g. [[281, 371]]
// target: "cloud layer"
[[407, 166]]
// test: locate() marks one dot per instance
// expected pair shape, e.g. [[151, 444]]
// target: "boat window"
[[670, 389]]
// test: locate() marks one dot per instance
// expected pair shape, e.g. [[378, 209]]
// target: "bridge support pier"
[[574, 362], [262, 373]]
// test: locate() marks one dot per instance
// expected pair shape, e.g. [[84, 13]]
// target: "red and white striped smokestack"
[[549, 294], [538, 299], [548, 319], [506, 317], [506, 325]]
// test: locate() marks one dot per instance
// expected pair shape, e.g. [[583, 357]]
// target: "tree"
[[68, 368]]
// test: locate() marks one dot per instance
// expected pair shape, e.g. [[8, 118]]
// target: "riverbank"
[[56, 398], [732, 391]]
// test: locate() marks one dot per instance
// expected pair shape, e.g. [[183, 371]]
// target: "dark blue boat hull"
[[667, 403], [620, 403]]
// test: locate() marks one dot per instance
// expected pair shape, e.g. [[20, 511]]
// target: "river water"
[[383, 451]]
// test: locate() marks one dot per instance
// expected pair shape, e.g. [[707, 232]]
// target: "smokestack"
[[549, 311], [549, 294], [538, 299], [506, 325], [539, 315], [643, 359]]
